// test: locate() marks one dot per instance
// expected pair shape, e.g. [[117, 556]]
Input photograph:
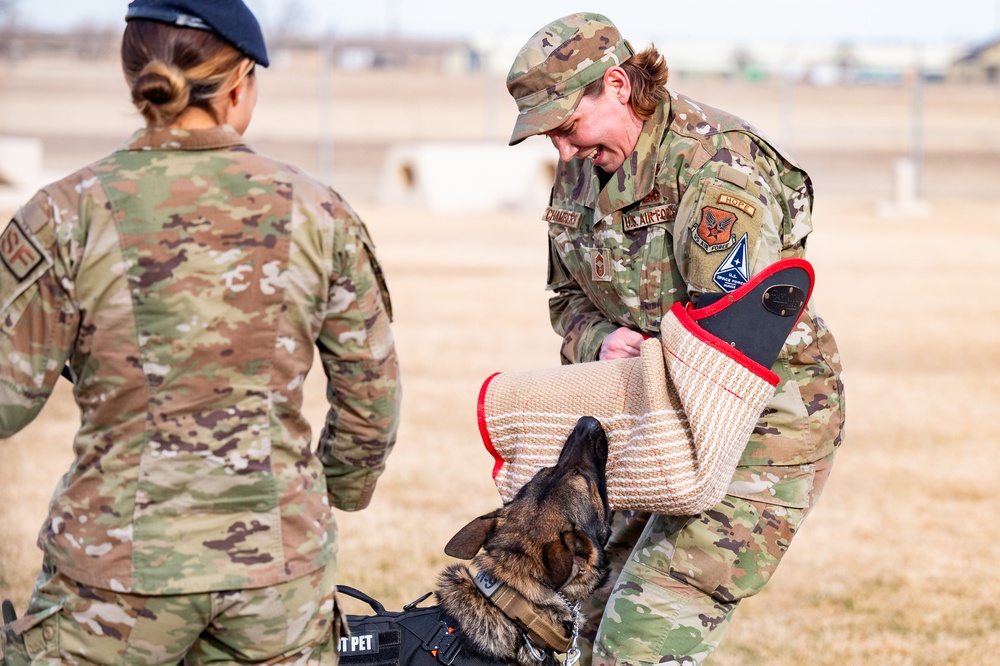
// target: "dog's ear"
[[559, 558], [471, 538]]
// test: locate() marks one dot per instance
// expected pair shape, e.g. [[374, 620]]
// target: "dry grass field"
[[898, 563]]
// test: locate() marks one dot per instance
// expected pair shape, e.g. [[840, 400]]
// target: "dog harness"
[[417, 636], [428, 636]]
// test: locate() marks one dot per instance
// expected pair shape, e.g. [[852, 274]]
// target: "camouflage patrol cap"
[[552, 69]]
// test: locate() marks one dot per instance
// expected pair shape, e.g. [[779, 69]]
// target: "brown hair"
[[169, 69], [648, 72]]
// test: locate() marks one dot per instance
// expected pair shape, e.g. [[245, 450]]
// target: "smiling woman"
[[610, 116], [603, 128], [662, 202]]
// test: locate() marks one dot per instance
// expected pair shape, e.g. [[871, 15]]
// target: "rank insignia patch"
[[600, 265], [733, 273], [18, 251], [653, 198], [715, 231]]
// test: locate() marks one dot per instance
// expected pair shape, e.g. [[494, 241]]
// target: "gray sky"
[[739, 21]]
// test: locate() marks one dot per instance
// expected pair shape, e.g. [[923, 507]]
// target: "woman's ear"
[[618, 82], [242, 81]]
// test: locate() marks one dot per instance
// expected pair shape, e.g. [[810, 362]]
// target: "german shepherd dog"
[[537, 559]]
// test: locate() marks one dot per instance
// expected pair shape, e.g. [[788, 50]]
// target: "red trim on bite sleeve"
[[483, 430], [684, 317], [722, 303]]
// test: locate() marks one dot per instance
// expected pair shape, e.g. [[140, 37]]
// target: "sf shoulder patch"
[[18, 252], [22, 263]]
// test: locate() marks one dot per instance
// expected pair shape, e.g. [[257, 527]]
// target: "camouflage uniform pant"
[[676, 580], [68, 622]]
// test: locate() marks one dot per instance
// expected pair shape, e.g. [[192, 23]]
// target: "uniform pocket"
[[369, 244], [732, 551], [728, 552], [32, 637]]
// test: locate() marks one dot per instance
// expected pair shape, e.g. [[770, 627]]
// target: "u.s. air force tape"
[[645, 217]]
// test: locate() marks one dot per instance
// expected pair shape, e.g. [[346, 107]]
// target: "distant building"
[[980, 65], [387, 52], [348, 53], [819, 63], [85, 43]]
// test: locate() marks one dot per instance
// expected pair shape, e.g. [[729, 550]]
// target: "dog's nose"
[[588, 428], [587, 442]]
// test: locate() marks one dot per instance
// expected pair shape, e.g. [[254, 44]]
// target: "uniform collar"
[[161, 138], [637, 175]]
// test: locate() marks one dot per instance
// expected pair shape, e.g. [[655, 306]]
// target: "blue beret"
[[229, 19]]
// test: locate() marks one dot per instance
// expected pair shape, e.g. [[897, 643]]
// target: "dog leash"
[[573, 653]]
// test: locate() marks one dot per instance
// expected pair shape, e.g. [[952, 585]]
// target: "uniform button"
[[49, 632]]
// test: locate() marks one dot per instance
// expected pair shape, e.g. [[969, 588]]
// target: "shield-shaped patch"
[[715, 231]]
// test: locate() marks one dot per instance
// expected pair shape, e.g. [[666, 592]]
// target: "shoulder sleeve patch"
[[369, 244], [22, 263], [724, 228], [19, 252]]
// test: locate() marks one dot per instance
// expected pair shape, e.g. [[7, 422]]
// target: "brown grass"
[[897, 563]]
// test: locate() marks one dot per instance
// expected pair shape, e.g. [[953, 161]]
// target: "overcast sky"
[[739, 21]]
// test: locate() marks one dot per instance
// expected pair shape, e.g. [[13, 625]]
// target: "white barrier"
[[462, 176], [20, 161], [906, 201]]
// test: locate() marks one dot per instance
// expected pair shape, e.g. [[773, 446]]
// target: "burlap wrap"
[[677, 418]]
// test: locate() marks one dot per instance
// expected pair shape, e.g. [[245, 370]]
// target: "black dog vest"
[[416, 636]]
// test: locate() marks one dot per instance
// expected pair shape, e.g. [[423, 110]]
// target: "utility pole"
[[324, 157], [917, 130]]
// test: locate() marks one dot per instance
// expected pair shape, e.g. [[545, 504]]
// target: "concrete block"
[[465, 176], [906, 201], [20, 161]]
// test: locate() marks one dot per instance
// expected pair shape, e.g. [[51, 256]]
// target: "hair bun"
[[162, 85]]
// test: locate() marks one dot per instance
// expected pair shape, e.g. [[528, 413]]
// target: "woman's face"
[[603, 129]]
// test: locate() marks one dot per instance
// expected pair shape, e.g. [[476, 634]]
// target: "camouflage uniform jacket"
[[188, 281], [702, 204]]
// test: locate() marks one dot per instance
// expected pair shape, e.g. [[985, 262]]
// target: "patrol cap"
[[550, 71], [230, 19]]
